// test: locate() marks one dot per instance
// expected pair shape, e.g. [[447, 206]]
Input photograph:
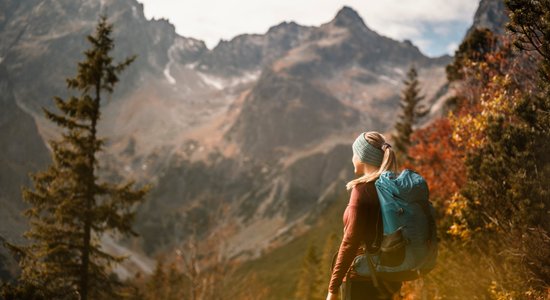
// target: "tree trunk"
[[89, 198]]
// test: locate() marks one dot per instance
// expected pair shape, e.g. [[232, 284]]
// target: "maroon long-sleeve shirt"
[[362, 219]]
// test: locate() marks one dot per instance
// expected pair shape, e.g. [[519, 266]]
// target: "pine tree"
[[476, 44], [409, 114], [308, 283], [175, 283], [70, 209], [157, 285]]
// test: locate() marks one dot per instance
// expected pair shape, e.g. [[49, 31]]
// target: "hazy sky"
[[435, 26]]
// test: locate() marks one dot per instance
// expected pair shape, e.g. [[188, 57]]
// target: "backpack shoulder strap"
[[375, 226], [431, 221]]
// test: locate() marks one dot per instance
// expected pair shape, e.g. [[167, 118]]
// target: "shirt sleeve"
[[354, 233]]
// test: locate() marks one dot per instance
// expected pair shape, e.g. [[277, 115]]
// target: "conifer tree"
[[410, 98], [70, 209], [308, 283], [476, 44], [157, 285], [175, 283]]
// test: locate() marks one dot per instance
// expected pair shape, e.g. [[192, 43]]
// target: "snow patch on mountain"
[[399, 71], [220, 83], [177, 45], [390, 80], [169, 77], [212, 81], [135, 262], [246, 78]]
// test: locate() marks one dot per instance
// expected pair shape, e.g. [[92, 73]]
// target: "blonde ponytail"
[[389, 161]]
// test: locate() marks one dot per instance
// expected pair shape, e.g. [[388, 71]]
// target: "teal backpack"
[[409, 246]]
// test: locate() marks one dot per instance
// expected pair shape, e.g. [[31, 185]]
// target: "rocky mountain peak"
[[490, 14], [348, 17], [285, 25]]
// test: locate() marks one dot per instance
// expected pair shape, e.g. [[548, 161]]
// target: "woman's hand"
[[332, 296]]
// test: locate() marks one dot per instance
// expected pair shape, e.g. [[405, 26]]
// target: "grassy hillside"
[[279, 269]]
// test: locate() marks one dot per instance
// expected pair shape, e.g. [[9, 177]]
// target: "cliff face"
[[491, 14], [21, 151], [261, 124], [283, 113]]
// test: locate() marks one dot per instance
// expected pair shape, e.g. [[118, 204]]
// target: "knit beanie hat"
[[366, 152]]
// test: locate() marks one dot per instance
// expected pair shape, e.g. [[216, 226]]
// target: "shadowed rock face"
[[286, 112], [21, 152], [491, 14]]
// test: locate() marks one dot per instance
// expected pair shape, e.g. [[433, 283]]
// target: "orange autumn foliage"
[[438, 158], [438, 151]]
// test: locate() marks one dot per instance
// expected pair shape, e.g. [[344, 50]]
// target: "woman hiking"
[[363, 222]]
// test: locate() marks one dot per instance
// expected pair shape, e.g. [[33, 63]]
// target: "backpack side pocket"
[[392, 249]]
